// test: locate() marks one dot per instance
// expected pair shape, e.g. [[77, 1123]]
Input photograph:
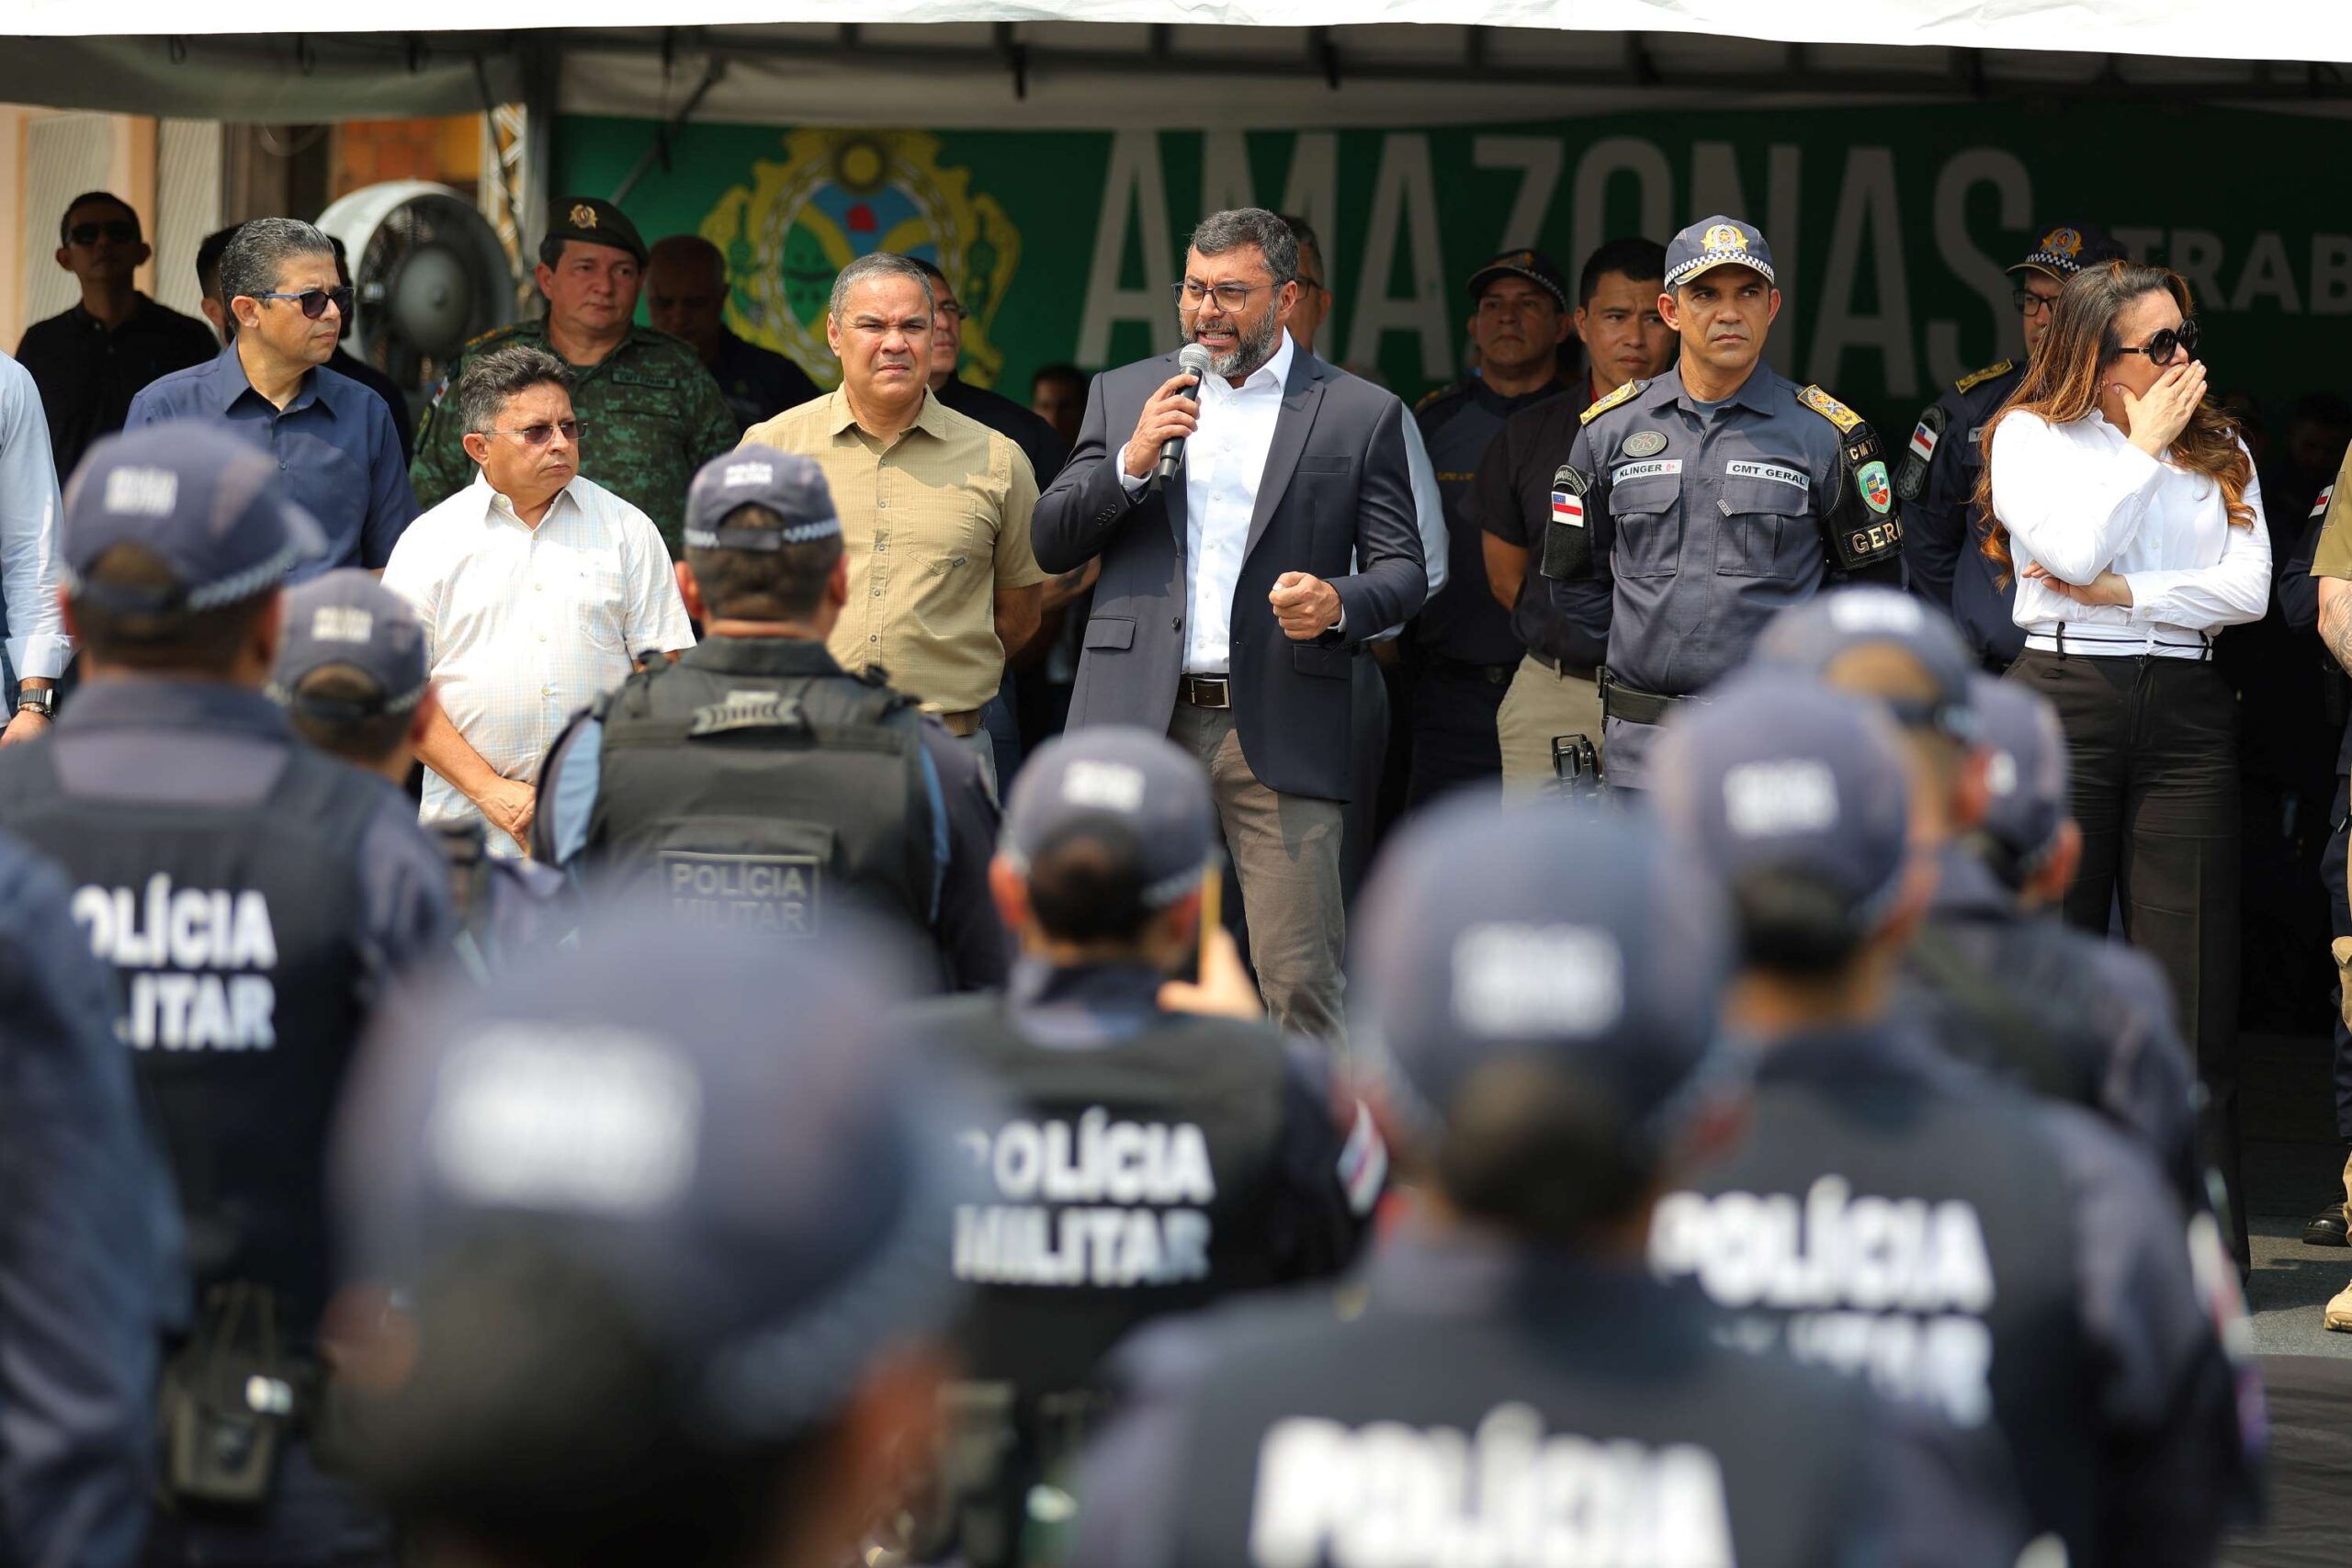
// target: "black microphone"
[[1192, 360]]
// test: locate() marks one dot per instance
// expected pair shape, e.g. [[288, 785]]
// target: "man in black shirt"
[[685, 296], [90, 361]]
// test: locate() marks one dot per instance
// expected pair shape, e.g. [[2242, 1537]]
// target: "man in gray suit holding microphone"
[[1240, 580]]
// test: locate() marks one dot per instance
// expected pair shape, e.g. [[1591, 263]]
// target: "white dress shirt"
[[2079, 499], [524, 626], [36, 641], [1225, 460]]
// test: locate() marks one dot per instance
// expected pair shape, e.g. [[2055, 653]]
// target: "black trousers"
[[1455, 743], [2153, 743], [2339, 913]]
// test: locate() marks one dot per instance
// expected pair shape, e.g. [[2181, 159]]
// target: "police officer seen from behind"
[[2013, 1265], [1205, 1152], [2066, 1014], [669, 1218], [90, 1261], [351, 675], [1562, 635], [1714, 497], [1943, 531], [756, 782], [653, 413], [257, 900], [1464, 650], [1506, 1373]]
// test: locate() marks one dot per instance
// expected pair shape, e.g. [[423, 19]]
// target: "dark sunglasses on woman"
[[2159, 348], [314, 302]]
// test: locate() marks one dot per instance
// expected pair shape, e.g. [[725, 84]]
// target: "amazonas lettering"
[[171, 945], [1096, 1201]]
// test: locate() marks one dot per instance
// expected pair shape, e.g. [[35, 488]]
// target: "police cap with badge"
[[595, 222], [346, 619], [208, 507], [1476, 954], [1534, 266], [787, 485]]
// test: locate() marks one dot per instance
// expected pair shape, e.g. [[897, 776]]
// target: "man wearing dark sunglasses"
[[333, 438], [1941, 530], [91, 360]]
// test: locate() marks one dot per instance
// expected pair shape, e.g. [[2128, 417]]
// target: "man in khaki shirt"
[[934, 506]]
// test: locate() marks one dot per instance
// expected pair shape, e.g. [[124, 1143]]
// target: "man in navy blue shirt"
[[333, 438]]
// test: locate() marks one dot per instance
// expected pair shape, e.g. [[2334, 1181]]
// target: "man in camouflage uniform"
[[651, 413]]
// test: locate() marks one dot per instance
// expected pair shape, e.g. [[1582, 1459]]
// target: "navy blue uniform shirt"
[[1510, 497], [88, 374], [89, 1244], [335, 443], [1943, 533], [759, 382], [1462, 620]]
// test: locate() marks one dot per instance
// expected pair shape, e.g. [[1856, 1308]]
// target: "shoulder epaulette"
[[1435, 393], [1610, 401], [1830, 408], [1976, 379], [479, 339]]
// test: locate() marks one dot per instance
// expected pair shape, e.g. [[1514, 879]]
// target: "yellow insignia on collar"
[[583, 215], [1976, 379], [1830, 408], [1610, 401]]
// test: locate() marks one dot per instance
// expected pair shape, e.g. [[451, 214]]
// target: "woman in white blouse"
[[2127, 506]]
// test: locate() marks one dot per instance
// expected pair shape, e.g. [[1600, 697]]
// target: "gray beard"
[[1250, 353]]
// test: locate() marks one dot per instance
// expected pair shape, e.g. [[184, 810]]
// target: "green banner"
[[1890, 226]]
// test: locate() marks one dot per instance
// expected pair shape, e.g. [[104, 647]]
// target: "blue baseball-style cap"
[[2027, 772], [721, 1130], [1133, 783], [1813, 636], [788, 483], [347, 617], [1715, 241], [1582, 941], [1778, 774], [197, 495]]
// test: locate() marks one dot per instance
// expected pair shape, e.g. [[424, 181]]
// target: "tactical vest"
[[765, 801], [1397, 1439], [1130, 1180], [1898, 1229], [234, 931], [2005, 997]]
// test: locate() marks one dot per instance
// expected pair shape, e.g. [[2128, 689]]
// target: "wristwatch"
[[43, 700]]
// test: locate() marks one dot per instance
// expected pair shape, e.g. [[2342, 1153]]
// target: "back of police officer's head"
[[1107, 837], [763, 543], [1798, 799], [175, 543], [351, 672], [1540, 1039], [669, 1221], [2029, 839], [1885, 645]]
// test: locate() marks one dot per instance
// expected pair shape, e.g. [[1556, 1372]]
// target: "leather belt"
[[964, 725], [1205, 690], [1565, 670], [1633, 705]]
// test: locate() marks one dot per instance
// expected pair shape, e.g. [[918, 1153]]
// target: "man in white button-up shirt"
[[538, 590], [38, 648]]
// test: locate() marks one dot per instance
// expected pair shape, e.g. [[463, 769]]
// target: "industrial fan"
[[428, 273]]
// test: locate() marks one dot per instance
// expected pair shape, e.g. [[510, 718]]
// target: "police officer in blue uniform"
[[1505, 1373], [755, 780], [668, 1218], [1242, 1166], [1943, 533], [1712, 496], [2013, 1264], [352, 676], [257, 900], [1994, 976], [89, 1244]]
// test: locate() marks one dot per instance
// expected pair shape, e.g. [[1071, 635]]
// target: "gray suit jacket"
[[1336, 488]]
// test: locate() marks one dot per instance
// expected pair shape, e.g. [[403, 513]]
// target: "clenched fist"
[[1305, 605]]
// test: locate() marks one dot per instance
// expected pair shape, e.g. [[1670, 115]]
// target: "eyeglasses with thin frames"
[[541, 433], [1230, 297], [314, 302], [2159, 348], [122, 232]]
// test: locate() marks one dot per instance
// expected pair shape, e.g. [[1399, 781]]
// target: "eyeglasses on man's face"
[[314, 302], [121, 231], [541, 433], [1230, 297], [2029, 303]]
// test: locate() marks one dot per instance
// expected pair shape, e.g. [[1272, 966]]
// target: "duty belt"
[[1563, 669], [1621, 701]]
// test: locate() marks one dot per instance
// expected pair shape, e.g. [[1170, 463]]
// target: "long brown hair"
[[2062, 384]]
